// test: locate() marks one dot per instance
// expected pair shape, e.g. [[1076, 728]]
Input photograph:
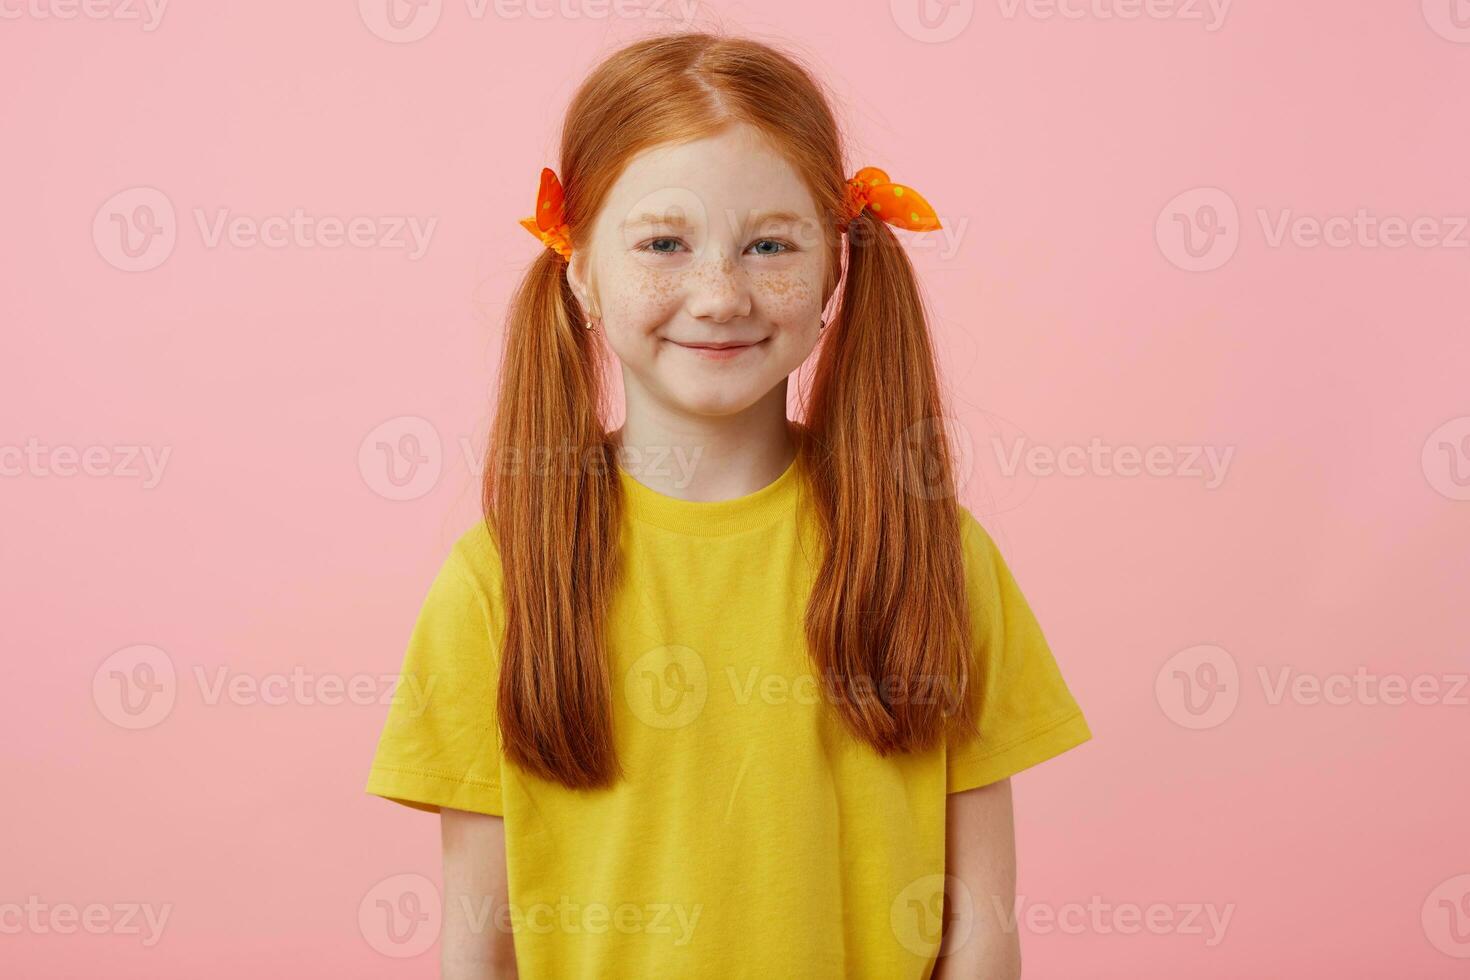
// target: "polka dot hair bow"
[[900, 206], [548, 223]]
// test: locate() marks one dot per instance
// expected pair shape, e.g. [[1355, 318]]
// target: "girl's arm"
[[476, 943], [980, 851]]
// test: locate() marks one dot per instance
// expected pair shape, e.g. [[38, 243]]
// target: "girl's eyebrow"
[[760, 217], [672, 218], [675, 219]]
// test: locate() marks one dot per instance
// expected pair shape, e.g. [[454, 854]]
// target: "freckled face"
[[706, 267]]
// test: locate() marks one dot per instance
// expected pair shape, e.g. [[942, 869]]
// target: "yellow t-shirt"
[[753, 835]]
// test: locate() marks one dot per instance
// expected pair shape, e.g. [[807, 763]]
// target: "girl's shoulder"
[[477, 558]]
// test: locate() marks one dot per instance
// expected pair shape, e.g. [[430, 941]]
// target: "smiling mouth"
[[722, 351], [728, 345]]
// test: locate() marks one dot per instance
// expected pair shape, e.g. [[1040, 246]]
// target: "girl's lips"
[[717, 353]]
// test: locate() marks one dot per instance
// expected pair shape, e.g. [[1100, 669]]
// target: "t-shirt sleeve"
[[440, 745], [1025, 713]]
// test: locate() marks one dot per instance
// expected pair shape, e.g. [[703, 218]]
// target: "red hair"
[[887, 619]]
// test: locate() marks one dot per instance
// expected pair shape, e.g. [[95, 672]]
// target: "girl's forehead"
[[732, 175]]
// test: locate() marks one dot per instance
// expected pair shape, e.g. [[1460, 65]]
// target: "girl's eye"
[[670, 246], [781, 246], [649, 246]]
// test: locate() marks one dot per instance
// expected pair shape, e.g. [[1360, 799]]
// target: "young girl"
[[719, 693]]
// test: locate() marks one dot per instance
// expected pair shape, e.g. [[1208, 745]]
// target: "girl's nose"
[[719, 289]]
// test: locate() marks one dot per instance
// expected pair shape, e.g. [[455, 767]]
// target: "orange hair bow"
[[548, 223], [896, 204]]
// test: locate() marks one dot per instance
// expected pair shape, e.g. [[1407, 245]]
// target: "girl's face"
[[706, 267]]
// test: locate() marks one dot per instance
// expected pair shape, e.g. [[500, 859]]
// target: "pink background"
[[1069, 308]]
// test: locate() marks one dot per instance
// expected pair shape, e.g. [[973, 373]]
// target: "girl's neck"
[[706, 459]]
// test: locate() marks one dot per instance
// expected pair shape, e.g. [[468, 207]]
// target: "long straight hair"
[[887, 623]]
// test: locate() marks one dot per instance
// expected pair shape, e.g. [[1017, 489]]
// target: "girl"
[[719, 693]]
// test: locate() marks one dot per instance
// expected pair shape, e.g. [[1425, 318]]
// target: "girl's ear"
[[574, 273], [577, 277]]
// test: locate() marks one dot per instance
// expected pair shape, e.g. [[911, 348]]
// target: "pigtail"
[[551, 498], [888, 621]]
